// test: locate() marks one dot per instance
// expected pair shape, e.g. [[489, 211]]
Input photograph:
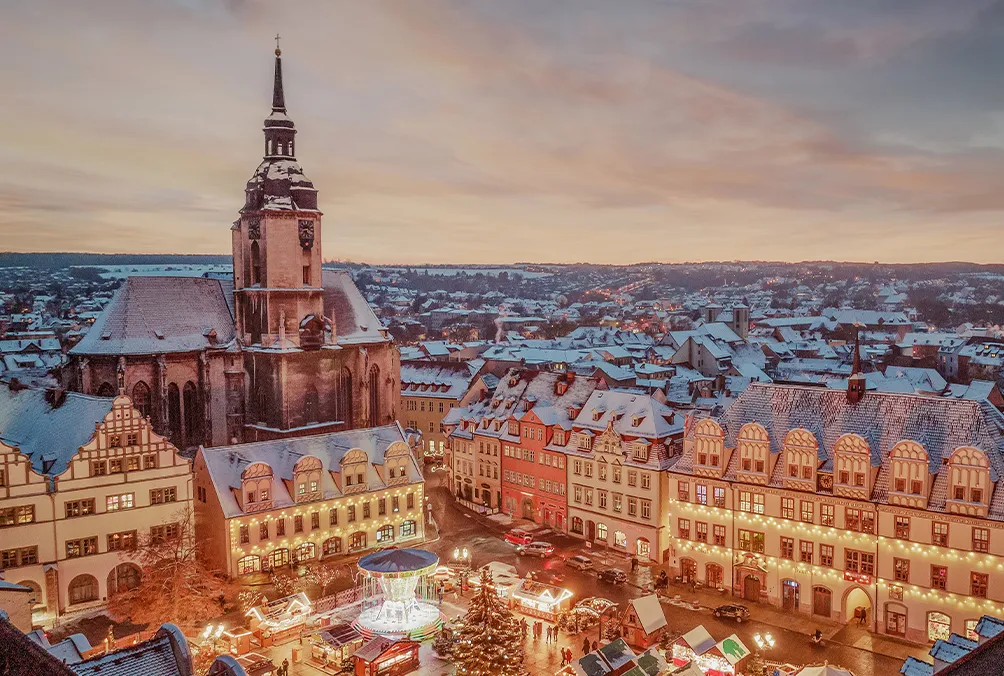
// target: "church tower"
[[277, 244]]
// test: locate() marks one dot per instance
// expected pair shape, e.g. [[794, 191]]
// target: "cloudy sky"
[[608, 131]]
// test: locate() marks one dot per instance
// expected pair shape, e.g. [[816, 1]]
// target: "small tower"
[[856, 383]]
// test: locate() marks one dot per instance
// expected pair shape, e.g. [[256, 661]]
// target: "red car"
[[518, 537]]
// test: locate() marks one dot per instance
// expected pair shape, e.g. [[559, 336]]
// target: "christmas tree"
[[443, 645], [489, 643]]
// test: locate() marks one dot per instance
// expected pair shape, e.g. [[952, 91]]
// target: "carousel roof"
[[391, 561]]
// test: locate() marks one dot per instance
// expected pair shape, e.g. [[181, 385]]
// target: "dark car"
[[612, 575], [740, 613]]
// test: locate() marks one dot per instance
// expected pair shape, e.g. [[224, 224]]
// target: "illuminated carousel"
[[399, 594]]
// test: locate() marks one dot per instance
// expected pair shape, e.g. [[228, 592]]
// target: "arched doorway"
[[278, 557], [486, 497], [124, 577], [713, 575], [590, 530], [895, 619], [37, 600], [751, 588], [789, 595], [688, 571], [857, 606], [822, 601], [357, 541], [83, 588], [642, 548]]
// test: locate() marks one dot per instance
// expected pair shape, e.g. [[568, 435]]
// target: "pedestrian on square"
[[596, 646], [285, 666], [585, 646]]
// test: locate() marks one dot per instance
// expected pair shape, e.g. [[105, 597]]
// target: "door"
[[688, 570], [528, 509], [895, 623], [751, 588], [590, 530], [547, 517], [789, 595], [486, 497], [821, 599], [559, 521]]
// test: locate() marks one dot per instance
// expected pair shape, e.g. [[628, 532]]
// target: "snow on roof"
[[226, 464], [699, 640], [649, 612], [30, 423], [159, 315], [626, 409], [354, 320], [166, 654], [915, 667]]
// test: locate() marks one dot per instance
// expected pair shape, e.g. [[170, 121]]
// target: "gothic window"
[[310, 406], [255, 263], [374, 392], [343, 400], [106, 390], [174, 412], [191, 406], [141, 398]]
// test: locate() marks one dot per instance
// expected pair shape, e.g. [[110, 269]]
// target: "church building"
[[282, 349]]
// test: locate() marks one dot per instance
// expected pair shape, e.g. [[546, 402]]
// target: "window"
[[577, 494], [793, 471], [787, 548], [315, 520], [976, 495], [298, 523], [978, 585], [23, 556], [960, 493], [747, 464], [852, 518], [306, 275], [632, 478], [826, 515], [366, 510], [620, 539], [646, 509], [411, 501], [939, 533], [971, 630], [646, 482], [859, 479], [601, 531], [385, 533], [577, 525], [901, 570], [263, 530], [617, 475], [807, 509], [702, 493], [350, 513], [333, 516], [280, 527], [114, 503], [632, 507], [916, 487], [939, 577], [981, 540], [745, 501], [718, 532], [248, 564], [121, 541], [683, 490], [382, 507], [331, 546], [758, 503], [617, 502], [787, 508], [150, 461], [939, 626], [807, 472], [603, 499], [115, 466], [589, 469], [900, 485], [867, 522], [903, 527], [395, 502], [132, 463], [826, 555], [245, 535], [12, 516], [702, 531], [83, 588], [408, 529], [81, 547], [719, 496], [859, 562], [98, 468], [684, 528], [159, 496], [577, 467], [748, 541]]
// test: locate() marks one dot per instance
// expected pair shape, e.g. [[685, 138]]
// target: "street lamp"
[[763, 641]]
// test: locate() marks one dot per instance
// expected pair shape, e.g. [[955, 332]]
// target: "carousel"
[[399, 591]]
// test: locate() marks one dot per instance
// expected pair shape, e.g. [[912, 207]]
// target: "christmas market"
[[540, 600], [280, 620], [335, 646]]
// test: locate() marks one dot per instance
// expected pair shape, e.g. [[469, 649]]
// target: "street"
[[459, 528]]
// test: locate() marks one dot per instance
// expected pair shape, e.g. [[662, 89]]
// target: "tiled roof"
[[353, 318], [160, 315], [166, 654], [49, 436], [21, 656]]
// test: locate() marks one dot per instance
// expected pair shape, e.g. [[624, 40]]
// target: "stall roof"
[[341, 634], [699, 640], [649, 612]]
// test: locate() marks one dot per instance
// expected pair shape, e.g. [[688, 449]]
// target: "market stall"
[[643, 621], [713, 659], [275, 622], [335, 646], [383, 656], [540, 600]]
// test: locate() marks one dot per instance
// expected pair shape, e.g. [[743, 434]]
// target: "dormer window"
[[256, 482], [251, 496], [597, 414], [514, 427]]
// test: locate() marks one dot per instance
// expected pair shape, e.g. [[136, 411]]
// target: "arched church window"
[[174, 412], [310, 406], [255, 263], [191, 402], [106, 390], [344, 398], [374, 392], [141, 398]]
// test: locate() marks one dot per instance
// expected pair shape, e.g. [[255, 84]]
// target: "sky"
[[493, 131]]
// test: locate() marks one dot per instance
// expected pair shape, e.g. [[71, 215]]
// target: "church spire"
[[857, 350], [856, 384], [278, 98]]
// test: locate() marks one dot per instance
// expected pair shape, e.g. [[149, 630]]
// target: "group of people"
[[550, 634]]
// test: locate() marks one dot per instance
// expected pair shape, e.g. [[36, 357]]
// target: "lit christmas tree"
[[490, 642]]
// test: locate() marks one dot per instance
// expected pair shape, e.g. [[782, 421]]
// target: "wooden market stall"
[[335, 646], [540, 600], [643, 621], [275, 622], [383, 656]]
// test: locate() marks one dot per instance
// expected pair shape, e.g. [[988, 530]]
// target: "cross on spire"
[[277, 51]]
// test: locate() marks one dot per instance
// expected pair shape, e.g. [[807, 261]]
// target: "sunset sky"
[[607, 131]]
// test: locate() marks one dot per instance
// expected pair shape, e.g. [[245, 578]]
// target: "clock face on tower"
[[254, 228], [306, 233]]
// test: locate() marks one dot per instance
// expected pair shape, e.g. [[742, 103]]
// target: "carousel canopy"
[[823, 670], [397, 561]]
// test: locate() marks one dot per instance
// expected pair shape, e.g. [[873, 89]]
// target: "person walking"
[[585, 646], [596, 646], [285, 667]]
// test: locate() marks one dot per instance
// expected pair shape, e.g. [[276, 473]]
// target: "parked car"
[[518, 537], [740, 613], [541, 549], [580, 562], [612, 575]]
